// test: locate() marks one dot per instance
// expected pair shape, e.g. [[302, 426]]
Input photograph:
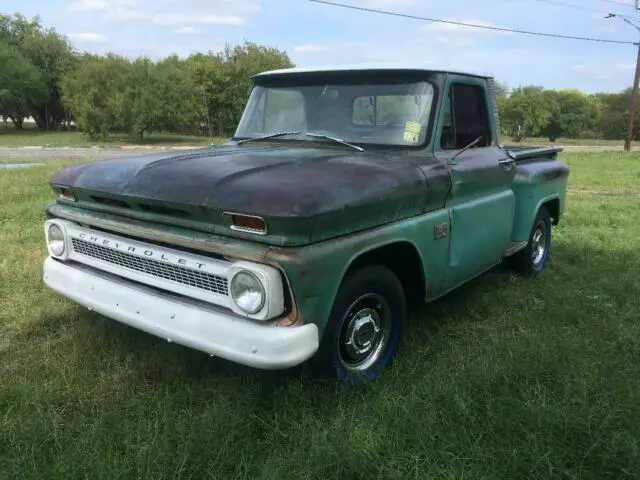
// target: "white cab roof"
[[416, 67]]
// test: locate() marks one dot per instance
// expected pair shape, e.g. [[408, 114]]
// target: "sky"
[[315, 34]]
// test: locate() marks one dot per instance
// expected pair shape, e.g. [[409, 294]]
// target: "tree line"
[[533, 111], [42, 76]]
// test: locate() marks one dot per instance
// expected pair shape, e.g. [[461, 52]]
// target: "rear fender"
[[538, 184]]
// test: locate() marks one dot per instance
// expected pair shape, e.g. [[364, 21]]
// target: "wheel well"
[[553, 207], [404, 261]]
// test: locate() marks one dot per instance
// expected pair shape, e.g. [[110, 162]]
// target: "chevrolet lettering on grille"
[[185, 273], [147, 252]]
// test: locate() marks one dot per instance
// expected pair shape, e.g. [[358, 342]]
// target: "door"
[[481, 202]]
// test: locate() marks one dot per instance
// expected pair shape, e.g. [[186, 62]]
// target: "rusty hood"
[[304, 194]]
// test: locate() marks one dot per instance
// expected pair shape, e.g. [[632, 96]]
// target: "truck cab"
[[344, 195]]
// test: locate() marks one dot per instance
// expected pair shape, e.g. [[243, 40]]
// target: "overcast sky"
[[315, 34]]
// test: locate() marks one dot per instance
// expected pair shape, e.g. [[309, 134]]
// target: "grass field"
[[32, 137], [568, 142], [504, 378]]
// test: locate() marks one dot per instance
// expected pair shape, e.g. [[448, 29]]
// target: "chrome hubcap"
[[365, 332], [538, 244]]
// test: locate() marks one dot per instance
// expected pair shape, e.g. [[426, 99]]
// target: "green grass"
[[504, 378], [583, 142], [32, 137]]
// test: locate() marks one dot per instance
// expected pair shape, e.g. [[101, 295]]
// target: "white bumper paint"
[[191, 324]]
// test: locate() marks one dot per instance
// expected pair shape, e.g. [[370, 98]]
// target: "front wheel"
[[533, 258], [364, 326]]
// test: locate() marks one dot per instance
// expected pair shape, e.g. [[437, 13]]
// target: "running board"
[[514, 247]]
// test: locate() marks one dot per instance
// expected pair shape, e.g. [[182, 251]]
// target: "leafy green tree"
[[93, 91], [572, 113], [15, 28], [240, 63], [525, 112], [224, 80], [52, 55], [614, 115], [21, 84], [183, 106], [113, 93], [206, 72], [160, 97]]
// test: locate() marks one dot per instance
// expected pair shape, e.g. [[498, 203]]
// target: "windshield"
[[384, 114]]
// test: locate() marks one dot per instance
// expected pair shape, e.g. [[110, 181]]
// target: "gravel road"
[[42, 153]]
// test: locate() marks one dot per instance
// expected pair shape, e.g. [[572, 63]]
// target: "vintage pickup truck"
[[344, 195]]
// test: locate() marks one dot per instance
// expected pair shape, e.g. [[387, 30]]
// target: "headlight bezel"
[[49, 224], [259, 286], [272, 285]]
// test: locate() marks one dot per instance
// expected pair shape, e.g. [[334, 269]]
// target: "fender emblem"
[[441, 230]]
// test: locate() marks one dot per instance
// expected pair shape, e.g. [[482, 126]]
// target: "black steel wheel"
[[364, 327], [533, 258]]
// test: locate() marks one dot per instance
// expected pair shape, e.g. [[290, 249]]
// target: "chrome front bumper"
[[192, 324]]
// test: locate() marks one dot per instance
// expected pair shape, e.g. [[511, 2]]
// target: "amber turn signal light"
[[248, 223], [65, 193]]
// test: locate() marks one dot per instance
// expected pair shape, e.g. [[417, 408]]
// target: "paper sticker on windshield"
[[412, 132]]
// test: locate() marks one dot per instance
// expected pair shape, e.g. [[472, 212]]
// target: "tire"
[[533, 258], [364, 327]]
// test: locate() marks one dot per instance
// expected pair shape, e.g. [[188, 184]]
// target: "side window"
[[284, 111], [392, 110], [364, 111], [466, 117], [448, 138]]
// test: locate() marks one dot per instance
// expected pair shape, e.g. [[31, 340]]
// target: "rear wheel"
[[364, 326], [533, 258]]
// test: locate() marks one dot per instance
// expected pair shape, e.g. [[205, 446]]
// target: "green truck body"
[[362, 188]]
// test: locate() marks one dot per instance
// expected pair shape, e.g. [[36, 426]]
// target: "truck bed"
[[519, 152]]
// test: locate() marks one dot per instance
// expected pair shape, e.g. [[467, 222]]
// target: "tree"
[[51, 54], [614, 115], [571, 114], [159, 97], [21, 84], [525, 112], [93, 92], [224, 80], [113, 93]]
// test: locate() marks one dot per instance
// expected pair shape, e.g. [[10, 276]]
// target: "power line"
[[580, 7], [616, 2], [463, 24]]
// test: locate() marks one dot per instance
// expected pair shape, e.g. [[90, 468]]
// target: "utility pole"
[[633, 106], [634, 92]]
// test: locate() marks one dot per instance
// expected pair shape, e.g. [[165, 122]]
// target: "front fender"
[[315, 272]]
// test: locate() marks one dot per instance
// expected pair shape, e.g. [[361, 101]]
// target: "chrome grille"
[[175, 273]]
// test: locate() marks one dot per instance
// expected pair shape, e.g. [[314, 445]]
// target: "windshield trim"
[[430, 132]]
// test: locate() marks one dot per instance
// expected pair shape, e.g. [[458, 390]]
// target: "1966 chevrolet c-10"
[[344, 194]]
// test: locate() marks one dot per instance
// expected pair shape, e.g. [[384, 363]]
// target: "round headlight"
[[247, 292], [55, 238]]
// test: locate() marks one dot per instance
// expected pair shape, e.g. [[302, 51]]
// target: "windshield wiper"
[[334, 139], [266, 137], [298, 132]]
